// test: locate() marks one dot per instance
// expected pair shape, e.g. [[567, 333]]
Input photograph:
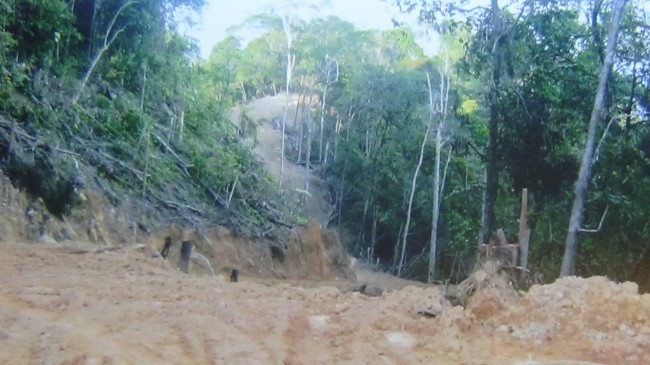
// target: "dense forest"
[[425, 157]]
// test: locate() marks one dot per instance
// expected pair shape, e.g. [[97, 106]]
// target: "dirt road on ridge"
[[269, 151]]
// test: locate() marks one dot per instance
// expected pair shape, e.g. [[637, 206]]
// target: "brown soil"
[[125, 307]]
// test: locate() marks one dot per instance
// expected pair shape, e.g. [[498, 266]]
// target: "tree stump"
[[186, 255]]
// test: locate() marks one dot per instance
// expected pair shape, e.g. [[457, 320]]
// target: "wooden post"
[[186, 255], [168, 245], [524, 232]]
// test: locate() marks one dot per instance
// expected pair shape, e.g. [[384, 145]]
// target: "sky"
[[219, 15]]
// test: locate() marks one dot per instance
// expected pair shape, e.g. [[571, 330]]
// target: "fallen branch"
[[218, 198], [137, 173], [66, 152], [273, 215], [203, 261], [184, 166], [602, 139], [178, 206], [15, 131], [232, 191], [109, 38], [600, 225]]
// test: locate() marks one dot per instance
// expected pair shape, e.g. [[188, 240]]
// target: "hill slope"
[[268, 148]]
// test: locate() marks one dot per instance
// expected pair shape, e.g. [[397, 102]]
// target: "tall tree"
[[582, 183], [491, 172], [108, 39], [438, 181], [291, 60], [409, 210]]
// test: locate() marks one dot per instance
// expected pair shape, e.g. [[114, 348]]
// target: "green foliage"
[[7, 41], [149, 124], [398, 47], [161, 117], [39, 27]]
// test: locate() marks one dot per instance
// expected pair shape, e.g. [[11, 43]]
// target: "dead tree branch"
[[137, 173], [600, 225], [179, 206], [181, 164], [109, 38]]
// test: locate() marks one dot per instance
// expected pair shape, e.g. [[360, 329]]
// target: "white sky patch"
[[220, 15]]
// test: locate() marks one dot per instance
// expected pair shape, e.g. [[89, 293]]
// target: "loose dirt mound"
[[321, 253], [125, 307], [486, 292], [610, 321]]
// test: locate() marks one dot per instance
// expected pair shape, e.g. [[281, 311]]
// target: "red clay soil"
[[125, 307]]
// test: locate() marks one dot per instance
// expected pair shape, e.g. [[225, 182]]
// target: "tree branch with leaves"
[[109, 37]]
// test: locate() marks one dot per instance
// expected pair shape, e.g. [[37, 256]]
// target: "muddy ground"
[[126, 307]]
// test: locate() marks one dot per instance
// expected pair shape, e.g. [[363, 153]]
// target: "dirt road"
[[58, 307], [269, 150]]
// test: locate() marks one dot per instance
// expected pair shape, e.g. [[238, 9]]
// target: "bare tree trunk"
[[595, 32], [437, 185], [286, 22], [171, 127], [330, 70], [568, 261], [337, 136], [435, 216], [364, 217], [295, 115], [413, 184], [146, 160], [395, 264], [302, 127], [243, 92], [109, 38], [342, 190], [92, 30], [181, 124], [322, 123], [373, 234], [327, 151], [308, 157], [524, 232], [302, 123], [295, 120], [491, 173]]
